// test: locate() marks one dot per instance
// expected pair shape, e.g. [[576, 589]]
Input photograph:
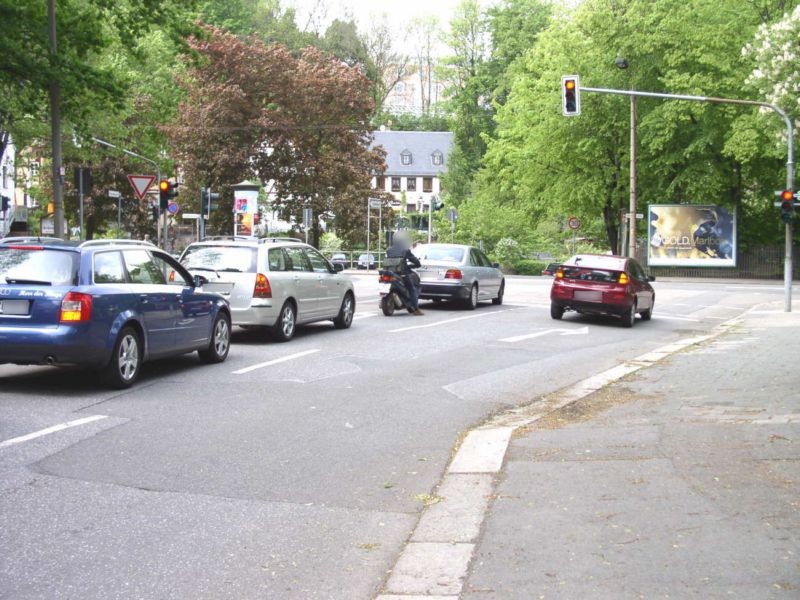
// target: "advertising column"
[[245, 206]]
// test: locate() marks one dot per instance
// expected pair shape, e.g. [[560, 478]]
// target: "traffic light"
[[570, 95], [208, 201], [6, 203], [166, 192], [438, 204], [787, 205]]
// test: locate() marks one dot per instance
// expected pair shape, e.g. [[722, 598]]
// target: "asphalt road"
[[291, 470]]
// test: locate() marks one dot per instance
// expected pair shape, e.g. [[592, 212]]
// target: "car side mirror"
[[496, 265], [338, 267], [651, 278], [199, 281]]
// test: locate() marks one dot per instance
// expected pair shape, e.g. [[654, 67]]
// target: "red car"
[[603, 284]]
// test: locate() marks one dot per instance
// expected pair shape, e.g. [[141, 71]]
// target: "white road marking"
[[447, 321], [269, 363], [359, 316], [664, 317], [519, 338], [49, 430]]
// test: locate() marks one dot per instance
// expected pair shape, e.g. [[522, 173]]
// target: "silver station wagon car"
[[459, 273], [275, 283]]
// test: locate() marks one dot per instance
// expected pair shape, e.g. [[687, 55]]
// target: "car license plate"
[[14, 307], [383, 288], [588, 296]]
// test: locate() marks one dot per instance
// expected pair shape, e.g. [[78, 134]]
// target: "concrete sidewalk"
[[681, 480]]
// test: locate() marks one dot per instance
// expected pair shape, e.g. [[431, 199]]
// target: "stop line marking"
[[448, 321], [276, 361]]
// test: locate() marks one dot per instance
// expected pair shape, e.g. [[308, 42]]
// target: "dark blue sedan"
[[104, 304]]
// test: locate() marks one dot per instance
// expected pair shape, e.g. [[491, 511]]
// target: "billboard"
[[691, 235]]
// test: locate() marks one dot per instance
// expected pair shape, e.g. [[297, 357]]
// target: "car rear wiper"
[[30, 281], [200, 269], [230, 270]]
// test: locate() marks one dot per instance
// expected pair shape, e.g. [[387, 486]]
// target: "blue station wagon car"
[[105, 304]]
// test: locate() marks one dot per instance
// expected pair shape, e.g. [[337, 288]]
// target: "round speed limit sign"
[[574, 223]]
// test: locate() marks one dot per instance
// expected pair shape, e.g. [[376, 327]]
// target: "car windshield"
[[237, 259], [453, 254], [30, 264], [583, 274]]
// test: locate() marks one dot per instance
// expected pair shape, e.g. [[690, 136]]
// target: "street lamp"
[[144, 158], [622, 63]]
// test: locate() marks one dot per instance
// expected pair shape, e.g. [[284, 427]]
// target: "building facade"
[[415, 161]]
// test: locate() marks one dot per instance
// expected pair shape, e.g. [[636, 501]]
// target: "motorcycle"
[[394, 294]]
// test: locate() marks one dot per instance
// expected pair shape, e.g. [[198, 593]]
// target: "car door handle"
[[144, 297]]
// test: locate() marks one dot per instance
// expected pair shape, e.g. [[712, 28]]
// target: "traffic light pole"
[[787, 263]]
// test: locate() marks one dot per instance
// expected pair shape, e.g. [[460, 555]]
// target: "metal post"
[[632, 208], [380, 235], [368, 213], [55, 126], [430, 217], [119, 215], [80, 200]]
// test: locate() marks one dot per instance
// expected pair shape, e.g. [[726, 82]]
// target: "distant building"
[[413, 95], [415, 160]]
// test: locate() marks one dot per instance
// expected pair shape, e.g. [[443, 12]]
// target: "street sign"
[[574, 223], [375, 203], [307, 215], [172, 208], [452, 215], [140, 184], [114, 194]]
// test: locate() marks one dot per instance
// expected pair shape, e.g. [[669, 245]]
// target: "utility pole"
[[55, 124]]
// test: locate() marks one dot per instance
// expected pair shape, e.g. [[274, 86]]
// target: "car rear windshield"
[[441, 254], [583, 274], [235, 259], [36, 265]]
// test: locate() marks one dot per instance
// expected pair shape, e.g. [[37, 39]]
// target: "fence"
[[760, 262]]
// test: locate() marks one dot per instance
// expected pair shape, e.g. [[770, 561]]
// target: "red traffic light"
[[787, 195]]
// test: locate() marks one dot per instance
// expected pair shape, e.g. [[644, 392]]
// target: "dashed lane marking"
[[276, 361], [448, 321], [49, 430]]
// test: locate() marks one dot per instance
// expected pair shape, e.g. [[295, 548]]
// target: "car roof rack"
[[29, 239], [231, 238], [267, 240], [113, 242]]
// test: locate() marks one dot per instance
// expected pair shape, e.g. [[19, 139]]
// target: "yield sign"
[[140, 184]]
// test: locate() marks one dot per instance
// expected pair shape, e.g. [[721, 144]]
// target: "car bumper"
[[260, 316], [451, 291], [63, 344]]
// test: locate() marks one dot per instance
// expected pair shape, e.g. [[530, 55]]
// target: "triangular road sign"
[[140, 184]]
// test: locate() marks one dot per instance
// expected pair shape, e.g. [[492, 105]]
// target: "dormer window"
[[437, 158], [405, 157]]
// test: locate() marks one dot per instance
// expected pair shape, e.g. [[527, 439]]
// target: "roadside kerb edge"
[[435, 562]]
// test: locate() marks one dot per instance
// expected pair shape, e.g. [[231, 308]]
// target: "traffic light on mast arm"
[[167, 190], [787, 206], [570, 95], [208, 201]]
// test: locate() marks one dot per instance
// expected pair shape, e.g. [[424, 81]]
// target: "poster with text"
[[691, 235]]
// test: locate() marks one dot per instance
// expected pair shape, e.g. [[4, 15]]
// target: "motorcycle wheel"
[[387, 305]]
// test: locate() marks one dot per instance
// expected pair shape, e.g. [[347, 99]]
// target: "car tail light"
[[262, 288], [560, 273], [453, 274], [623, 279], [385, 278], [25, 247], [76, 308]]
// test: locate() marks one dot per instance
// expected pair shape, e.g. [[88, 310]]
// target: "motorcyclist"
[[401, 248]]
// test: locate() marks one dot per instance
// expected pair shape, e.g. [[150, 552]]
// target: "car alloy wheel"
[[629, 318], [126, 361], [500, 293], [220, 342], [472, 301], [285, 326], [648, 314], [345, 317]]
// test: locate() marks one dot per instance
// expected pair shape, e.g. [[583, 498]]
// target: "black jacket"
[[397, 252]]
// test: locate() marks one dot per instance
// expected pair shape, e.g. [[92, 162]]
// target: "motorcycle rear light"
[[262, 288], [453, 274], [76, 308], [385, 278]]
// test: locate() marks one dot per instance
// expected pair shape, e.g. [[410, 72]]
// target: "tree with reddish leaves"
[[254, 110]]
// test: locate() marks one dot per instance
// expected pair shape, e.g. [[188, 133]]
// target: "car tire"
[[284, 327], [387, 305], [345, 317], [499, 300], [648, 314], [629, 318], [556, 311], [220, 342], [126, 360], [471, 303]]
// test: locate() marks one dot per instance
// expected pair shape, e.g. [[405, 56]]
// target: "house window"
[[395, 184], [405, 157], [411, 184], [427, 184], [437, 158], [380, 183]]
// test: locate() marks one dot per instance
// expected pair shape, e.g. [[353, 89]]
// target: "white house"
[[415, 161]]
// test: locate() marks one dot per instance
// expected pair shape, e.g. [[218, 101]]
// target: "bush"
[[528, 266]]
